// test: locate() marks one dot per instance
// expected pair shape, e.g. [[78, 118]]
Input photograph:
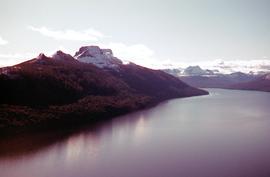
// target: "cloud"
[[2, 41], [245, 66], [131, 52], [229, 66], [69, 34], [136, 53]]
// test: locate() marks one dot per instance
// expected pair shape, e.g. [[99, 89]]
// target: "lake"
[[224, 134]]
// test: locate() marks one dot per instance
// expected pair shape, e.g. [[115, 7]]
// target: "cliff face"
[[102, 58], [64, 89]]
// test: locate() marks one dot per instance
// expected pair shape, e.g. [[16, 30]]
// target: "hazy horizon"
[[153, 33]]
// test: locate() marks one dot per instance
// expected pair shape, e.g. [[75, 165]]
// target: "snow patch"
[[102, 58]]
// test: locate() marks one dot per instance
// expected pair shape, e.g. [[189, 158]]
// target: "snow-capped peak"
[[102, 58], [197, 70]]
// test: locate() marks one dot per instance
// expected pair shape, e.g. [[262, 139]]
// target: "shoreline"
[[71, 121]]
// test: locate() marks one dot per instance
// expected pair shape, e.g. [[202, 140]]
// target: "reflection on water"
[[225, 134], [77, 146]]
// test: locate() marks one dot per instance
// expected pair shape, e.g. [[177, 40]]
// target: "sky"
[[153, 33]]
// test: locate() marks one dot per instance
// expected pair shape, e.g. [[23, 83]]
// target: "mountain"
[[218, 81], [175, 72], [58, 80], [196, 71], [191, 71], [261, 84], [198, 77], [93, 85], [154, 83], [102, 58]]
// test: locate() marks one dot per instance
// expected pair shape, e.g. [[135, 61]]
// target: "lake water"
[[224, 134]]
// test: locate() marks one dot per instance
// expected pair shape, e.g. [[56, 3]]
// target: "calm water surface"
[[224, 134]]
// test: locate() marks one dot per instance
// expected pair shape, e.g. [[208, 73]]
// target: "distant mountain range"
[[261, 83], [198, 77], [92, 85]]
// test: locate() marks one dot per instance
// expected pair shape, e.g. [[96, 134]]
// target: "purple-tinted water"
[[225, 134]]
